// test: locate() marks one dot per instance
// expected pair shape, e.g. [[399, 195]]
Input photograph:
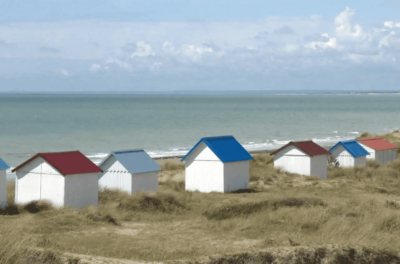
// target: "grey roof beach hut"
[[129, 171], [3, 183]]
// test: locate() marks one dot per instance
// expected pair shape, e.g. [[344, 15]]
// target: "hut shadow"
[[244, 191]]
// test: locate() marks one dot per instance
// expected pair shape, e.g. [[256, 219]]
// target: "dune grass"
[[353, 217]]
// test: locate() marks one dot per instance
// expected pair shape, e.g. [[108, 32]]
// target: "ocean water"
[[170, 125]]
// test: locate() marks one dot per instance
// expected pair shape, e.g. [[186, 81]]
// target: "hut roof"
[[353, 147], [377, 143], [308, 147], [134, 160], [67, 163], [226, 148], [3, 165]]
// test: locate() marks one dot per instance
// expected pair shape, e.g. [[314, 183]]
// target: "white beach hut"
[[349, 153], [3, 183], [217, 164], [63, 178], [129, 171], [303, 157], [379, 149]]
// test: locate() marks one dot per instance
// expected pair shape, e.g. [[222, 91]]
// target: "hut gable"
[[66, 163], [352, 147], [225, 148], [202, 152], [309, 148], [134, 161], [377, 143], [3, 165]]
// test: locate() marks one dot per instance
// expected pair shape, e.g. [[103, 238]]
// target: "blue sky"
[[127, 45]]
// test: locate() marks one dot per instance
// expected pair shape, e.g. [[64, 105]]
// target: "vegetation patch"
[[390, 223], [37, 206], [10, 210], [312, 256], [230, 211], [178, 186], [159, 202]]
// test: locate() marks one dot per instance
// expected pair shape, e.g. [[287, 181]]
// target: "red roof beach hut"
[[63, 178], [379, 149]]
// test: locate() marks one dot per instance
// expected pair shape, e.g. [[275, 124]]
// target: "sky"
[[155, 45]]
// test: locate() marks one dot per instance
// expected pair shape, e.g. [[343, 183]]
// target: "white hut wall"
[[204, 171], [27, 184], [81, 190], [360, 161], [236, 175], [319, 166], [387, 155], [371, 151], [293, 160], [394, 154], [146, 181], [204, 176], [344, 158], [52, 185], [115, 176], [3, 189]]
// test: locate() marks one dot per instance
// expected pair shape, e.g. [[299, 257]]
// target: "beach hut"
[[302, 157], [349, 153], [63, 178], [129, 171], [217, 164], [3, 183], [379, 149]]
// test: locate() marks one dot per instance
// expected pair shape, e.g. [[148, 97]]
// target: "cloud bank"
[[273, 53]]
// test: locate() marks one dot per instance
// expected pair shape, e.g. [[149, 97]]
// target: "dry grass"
[[353, 217]]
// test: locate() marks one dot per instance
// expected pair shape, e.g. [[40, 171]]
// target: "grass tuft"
[[172, 165], [239, 210], [158, 202], [37, 206]]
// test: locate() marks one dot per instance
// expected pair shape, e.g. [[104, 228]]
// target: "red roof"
[[308, 147], [377, 143], [67, 163]]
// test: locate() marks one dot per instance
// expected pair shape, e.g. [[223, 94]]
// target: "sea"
[[168, 125]]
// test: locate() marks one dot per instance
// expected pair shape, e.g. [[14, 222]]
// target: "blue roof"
[[3, 165], [353, 147], [226, 148], [134, 160]]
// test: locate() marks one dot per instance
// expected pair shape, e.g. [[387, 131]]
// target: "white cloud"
[[331, 43], [391, 24], [143, 50], [94, 67], [63, 72], [271, 45]]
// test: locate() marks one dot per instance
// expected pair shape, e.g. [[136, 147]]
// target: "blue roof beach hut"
[[349, 153], [217, 164], [130, 171], [3, 183]]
